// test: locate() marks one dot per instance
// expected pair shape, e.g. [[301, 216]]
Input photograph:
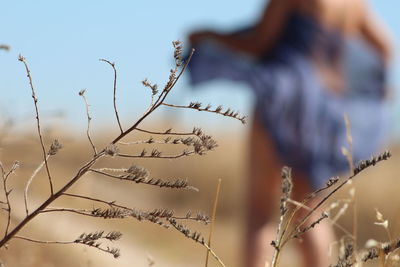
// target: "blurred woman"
[[308, 62]]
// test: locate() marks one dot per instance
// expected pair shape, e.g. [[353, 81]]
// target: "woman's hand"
[[199, 36]]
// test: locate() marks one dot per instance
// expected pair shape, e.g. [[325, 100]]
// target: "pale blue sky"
[[63, 41]]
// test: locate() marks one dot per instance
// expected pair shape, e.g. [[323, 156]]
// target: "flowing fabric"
[[306, 120]]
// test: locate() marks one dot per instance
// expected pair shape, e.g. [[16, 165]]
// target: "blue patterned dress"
[[304, 118]]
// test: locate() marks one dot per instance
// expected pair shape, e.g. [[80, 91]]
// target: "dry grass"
[[376, 188]]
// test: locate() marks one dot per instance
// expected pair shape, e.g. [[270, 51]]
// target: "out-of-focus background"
[[62, 43]]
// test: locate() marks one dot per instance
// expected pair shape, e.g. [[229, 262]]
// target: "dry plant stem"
[[6, 193], [165, 133], [85, 168], [355, 227], [227, 114], [183, 154], [55, 242], [113, 204], [148, 181], [301, 205], [349, 138], [297, 208], [35, 100], [382, 259], [287, 186], [109, 150], [357, 170], [90, 214], [43, 241], [28, 184], [158, 102], [376, 252], [281, 241], [89, 119], [208, 248], [214, 212], [77, 211], [214, 255], [158, 142], [114, 92]]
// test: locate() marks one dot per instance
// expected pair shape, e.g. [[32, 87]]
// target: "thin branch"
[[167, 132], [158, 102], [90, 243], [7, 202], [85, 168], [77, 211], [159, 212], [173, 79], [142, 142], [114, 92], [81, 172], [43, 241], [195, 236], [144, 179], [375, 252], [214, 212], [301, 205], [167, 141], [7, 192], [28, 184], [89, 118], [287, 186], [183, 154], [218, 110], [35, 100], [361, 166]]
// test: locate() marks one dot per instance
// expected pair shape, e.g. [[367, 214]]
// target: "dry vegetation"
[[167, 248], [102, 162], [46, 206]]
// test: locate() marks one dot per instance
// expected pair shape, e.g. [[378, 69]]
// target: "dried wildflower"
[[371, 162], [324, 215], [346, 254], [379, 215], [332, 181], [374, 252], [287, 186], [153, 87], [178, 52], [384, 224], [155, 153], [92, 240], [55, 146], [111, 150], [195, 236], [371, 243], [136, 173], [112, 213], [381, 221], [143, 153], [113, 236]]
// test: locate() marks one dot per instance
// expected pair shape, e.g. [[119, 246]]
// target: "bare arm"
[[260, 39], [375, 33]]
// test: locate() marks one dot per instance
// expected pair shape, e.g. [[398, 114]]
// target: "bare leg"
[[316, 242], [262, 196], [263, 200]]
